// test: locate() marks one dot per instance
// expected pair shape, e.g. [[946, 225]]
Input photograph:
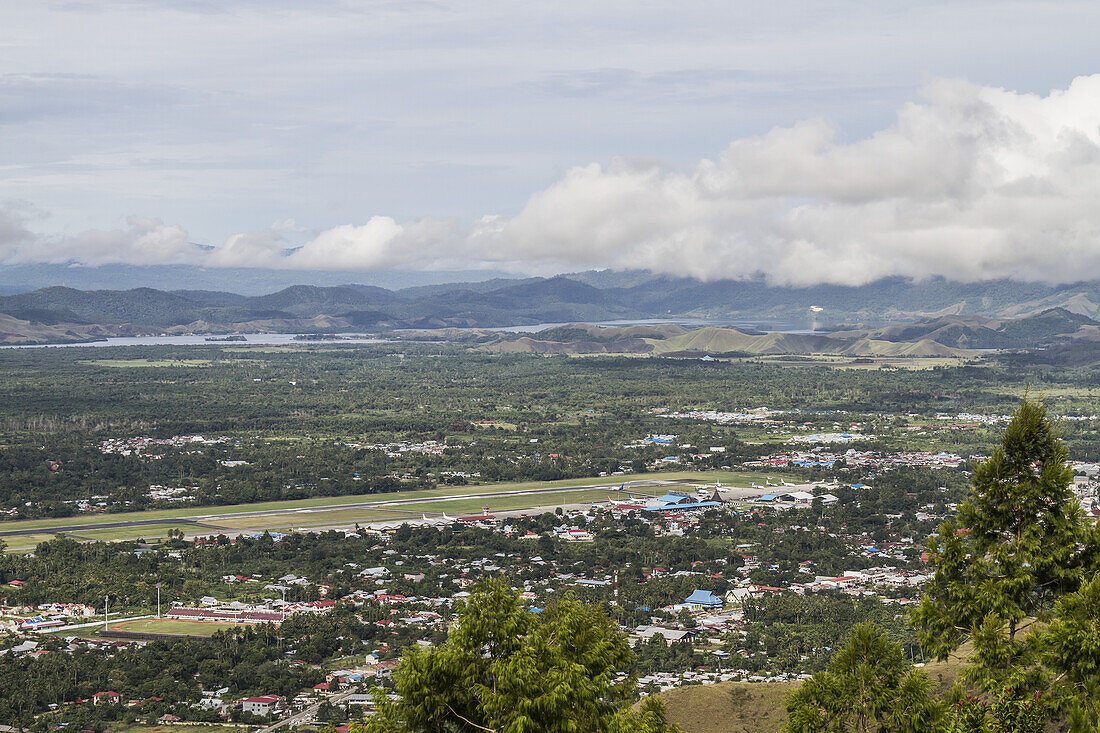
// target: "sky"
[[800, 141]]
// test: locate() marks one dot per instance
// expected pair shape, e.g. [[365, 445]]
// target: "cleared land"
[[173, 626]]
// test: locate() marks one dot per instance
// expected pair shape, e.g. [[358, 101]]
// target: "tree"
[[869, 686], [1070, 648], [1007, 715], [1018, 553], [508, 670]]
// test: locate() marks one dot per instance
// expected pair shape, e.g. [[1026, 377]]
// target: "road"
[[209, 521], [311, 711]]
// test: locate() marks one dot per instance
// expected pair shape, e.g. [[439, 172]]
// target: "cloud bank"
[[969, 183]]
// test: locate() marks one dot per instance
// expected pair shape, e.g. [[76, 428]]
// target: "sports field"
[[172, 626]]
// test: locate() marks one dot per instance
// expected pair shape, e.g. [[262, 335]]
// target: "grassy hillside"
[[675, 341], [729, 707], [760, 707]]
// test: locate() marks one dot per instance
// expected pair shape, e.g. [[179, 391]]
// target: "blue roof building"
[[703, 598]]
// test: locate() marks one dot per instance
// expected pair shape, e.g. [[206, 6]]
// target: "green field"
[[146, 531], [24, 542], [209, 728], [173, 626]]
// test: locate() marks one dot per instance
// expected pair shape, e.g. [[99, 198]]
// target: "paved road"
[[209, 521], [310, 711]]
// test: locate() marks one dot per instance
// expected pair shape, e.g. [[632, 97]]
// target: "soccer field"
[[172, 626]]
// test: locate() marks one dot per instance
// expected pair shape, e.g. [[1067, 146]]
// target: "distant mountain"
[[242, 280], [709, 340], [886, 300], [998, 314], [1052, 326]]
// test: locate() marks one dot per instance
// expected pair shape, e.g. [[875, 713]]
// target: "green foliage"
[[869, 686], [1070, 648], [1019, 543], [1015, 561], [1009, 714], [508, 670]]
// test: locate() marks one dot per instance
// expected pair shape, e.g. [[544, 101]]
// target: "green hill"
[[729, 707]]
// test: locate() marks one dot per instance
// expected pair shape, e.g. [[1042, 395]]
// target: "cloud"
[[142, 241], [973, 183], [969, 183]]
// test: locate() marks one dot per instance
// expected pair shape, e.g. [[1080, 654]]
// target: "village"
[[411, 596]]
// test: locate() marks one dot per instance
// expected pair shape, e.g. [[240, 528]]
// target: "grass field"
[[332, 516], [504, 503], [729, 707], [149, 531], [26, 542], [139, 728], [760, 707], [172, 626]]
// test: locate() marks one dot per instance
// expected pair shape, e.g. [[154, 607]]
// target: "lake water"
[[250, 339], [282, 339]]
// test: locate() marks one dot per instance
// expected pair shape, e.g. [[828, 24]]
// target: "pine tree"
[[869, 686], [1019, 545]]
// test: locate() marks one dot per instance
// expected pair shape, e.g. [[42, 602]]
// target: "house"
[[262, 705], [703, 599], [106, 698], [373, 572], [670, 635]]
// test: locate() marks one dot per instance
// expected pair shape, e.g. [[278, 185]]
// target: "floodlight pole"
[[158, 600], [105, 600]]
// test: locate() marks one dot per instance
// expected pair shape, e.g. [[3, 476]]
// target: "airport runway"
[[209, 521]]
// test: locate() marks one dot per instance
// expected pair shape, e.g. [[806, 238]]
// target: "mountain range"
[[999, 314]]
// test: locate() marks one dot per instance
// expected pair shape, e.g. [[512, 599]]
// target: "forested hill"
[[951, 313]]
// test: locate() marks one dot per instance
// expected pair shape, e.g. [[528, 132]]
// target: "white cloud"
[[973, 183], [143, 241], [970, 183]]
